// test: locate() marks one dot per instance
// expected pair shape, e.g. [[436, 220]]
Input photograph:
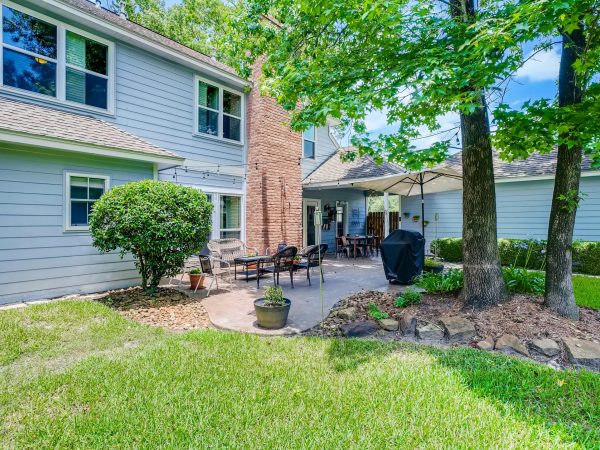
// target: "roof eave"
[[33, 140]]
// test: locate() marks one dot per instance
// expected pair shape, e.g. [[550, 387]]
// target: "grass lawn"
[[587, 291], [77, 375]]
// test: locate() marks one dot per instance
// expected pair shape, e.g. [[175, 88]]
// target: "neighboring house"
[[523, 192], [89, 100]]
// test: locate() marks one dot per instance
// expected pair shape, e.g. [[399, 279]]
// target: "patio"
[[234, 310]]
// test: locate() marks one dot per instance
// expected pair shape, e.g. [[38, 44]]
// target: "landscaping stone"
[[486, 344], [347, 313], [510, 344], [429, 331], [458, 329], [359, 329], [583, 353], [408, 324], [545, 346], [388, 324]]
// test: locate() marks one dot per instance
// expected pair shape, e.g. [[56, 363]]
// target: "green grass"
[[587, 291], [77, 375]]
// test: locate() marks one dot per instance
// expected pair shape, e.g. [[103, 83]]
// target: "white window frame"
[[61, 64], [314, 145], [220, 111], [67, 206], [241, 228]]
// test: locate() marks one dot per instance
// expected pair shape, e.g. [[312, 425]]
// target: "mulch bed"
[[522, 316], [167, 308]]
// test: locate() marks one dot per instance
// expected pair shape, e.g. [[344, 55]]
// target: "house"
[[523, 192], [90, 100]]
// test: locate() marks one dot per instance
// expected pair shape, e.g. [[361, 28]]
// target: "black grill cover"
[[403, 256]]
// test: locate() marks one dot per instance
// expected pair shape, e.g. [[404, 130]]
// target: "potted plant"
[[197, 278], [272, 310], [431, 265], [296, 261], [406, 215], [416, 218], [426, 222]]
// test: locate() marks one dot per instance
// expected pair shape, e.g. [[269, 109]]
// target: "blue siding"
[[356, 202], [38, 259], [523, 211], [325, 147]]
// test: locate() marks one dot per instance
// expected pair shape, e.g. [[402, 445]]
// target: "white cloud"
[[541, 67], [375, 120]]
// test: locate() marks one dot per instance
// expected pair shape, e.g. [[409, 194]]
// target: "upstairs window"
[[82, 192], [309, 142], [219, 111], [29, 52], [44, 57]]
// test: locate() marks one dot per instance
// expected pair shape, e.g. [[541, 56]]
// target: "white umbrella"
[[439, 179]]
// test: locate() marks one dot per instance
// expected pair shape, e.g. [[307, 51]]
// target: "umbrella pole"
[[422, 206]]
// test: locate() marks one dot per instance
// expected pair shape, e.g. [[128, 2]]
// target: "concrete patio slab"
[[235, 310]]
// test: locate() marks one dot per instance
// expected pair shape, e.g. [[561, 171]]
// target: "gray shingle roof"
[[536, 164], [334, 170], [109, 16], [22, 117]]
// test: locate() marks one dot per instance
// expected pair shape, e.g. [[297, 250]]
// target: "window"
[[230, 225], [309, 141], [43, 57], [219, 111], [82, 192]]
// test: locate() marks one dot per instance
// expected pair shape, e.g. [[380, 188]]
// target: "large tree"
[[411, 60], [569, 123]]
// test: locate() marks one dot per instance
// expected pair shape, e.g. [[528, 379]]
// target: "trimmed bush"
[[527, 253], [160, 223]]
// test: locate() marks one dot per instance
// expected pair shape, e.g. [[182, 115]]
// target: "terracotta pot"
[[252, 266], [197, 279]]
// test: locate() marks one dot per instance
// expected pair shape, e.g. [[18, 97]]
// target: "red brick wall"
[[274, 187]]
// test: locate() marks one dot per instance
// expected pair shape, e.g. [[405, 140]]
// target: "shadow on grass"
[[349, 354], [567, 402]]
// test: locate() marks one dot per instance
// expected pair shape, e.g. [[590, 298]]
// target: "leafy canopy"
[[407, 58], [160, 223], [541, 125]]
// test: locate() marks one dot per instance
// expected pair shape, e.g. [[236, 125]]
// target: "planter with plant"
[[272, 310], [426, 222], [431, 265], [197, 278], [296, 261], [416, 218], [406, 215]]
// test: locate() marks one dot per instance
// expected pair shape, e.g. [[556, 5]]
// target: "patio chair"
[[219, 268], [347, 248], [228, 249], [314, 258], [283, 261]]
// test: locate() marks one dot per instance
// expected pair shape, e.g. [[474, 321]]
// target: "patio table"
[[246, 261], [355, 241]]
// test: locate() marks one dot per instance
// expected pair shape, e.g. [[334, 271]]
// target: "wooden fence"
[[376, 223]]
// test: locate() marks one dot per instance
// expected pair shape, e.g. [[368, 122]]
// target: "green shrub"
[[528, 253], [431, 263], [586, 257], [377, 313], [450, 249], [408, 297], [438, 283], [160, 223], [522, 281]]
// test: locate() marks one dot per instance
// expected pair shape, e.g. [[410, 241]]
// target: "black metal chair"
[[283, 261], [314, 258]]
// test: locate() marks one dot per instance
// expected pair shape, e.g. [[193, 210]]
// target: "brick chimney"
[[274, 183]]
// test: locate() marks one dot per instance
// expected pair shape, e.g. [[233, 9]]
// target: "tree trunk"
[[559, 259], [483, 281]]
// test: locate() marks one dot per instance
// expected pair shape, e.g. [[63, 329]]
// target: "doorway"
[[310, 233]]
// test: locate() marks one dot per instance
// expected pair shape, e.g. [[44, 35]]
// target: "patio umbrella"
[[438, 179]]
